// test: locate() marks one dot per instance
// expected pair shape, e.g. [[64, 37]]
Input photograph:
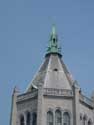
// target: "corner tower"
[[52, 97]]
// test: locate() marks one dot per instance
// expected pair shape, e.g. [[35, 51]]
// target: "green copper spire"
[[54, 30], [53, 47]]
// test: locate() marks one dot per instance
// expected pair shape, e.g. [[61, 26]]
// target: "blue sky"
[[25, 26]]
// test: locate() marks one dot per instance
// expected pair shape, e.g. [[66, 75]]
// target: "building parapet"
[[86, 100], [58, 92], [26, 96]]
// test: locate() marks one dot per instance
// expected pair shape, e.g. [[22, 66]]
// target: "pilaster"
[[13, 117], [39, 108], [76, 113]]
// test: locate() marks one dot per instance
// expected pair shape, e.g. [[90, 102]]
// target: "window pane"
[[28, 119], [49, 118], [89, 122], [58, 119], [66, 119], [22, 120], [34, 121]]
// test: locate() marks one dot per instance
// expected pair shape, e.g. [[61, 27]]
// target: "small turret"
[[76, 85], [16, 90], [13, 118]]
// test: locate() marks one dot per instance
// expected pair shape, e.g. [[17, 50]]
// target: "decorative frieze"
[[58, 92]]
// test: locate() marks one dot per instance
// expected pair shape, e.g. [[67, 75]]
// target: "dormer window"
[[55, 69]]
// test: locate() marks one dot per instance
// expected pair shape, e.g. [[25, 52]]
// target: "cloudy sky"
[[25, 27]]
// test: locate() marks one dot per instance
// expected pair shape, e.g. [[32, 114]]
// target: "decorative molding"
[[57, 92]]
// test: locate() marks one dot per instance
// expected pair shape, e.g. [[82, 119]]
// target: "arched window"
[[49, 118], [81, 119], [22, 120], [84, 119], [28, 118], [58, 117], [66, 118], [90, 122], [34, 119]]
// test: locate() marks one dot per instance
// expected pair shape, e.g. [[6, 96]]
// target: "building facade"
[[53, 97]]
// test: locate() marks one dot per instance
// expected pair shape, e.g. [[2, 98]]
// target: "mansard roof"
[[53, 72]]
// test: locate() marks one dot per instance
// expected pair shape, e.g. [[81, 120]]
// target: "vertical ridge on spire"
[[53, 47]]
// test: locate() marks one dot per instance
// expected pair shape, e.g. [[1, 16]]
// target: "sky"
[[25, 27]]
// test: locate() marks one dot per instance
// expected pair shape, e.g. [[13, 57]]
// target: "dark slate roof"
[[52, 74]]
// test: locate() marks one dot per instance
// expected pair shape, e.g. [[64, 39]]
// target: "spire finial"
[[53, 47], [54, 29]]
